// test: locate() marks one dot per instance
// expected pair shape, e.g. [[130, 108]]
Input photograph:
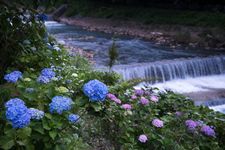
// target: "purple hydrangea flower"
[[73, 118], [143, 138], [154, 98], [178, 113], [208, 131], [13, 77], [144, 101], [133, 97], [157, 123], [36, 114], [60, 104], [139, 92], [17, 113], [95, 90], [127, 106], [147, 93], [191, 125]]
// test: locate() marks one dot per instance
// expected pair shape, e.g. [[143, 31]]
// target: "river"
[[199, 74]]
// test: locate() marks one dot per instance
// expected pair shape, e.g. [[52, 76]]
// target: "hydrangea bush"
[[58, 102]]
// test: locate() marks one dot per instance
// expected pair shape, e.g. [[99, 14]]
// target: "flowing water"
[[180, 70]]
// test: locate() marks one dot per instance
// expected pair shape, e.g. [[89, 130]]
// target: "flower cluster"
[[17, 113], [144, 101], [36, 114], [13, 77], [143, 138], [46, 75], [133, 97], [154, 98], [42, 17], [204, 129], [127, 106], [73, 118], [139, 92], [208, 131], [47, 72], [191, 125], [29, 90], [60, 104], [113, 98], [157, 123], [95, 90]]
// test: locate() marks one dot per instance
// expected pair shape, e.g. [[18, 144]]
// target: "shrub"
[[20, 34]]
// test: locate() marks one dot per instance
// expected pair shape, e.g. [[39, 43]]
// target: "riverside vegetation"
[[52, 100]]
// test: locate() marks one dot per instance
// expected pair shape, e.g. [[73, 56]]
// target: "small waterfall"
[[173, 69], [211, 103]]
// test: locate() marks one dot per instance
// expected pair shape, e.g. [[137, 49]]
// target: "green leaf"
[[47, 115], [24, 133], [45, 124], [97, 107], [22, 143], [39, 129], [53, 134], [8, 144]]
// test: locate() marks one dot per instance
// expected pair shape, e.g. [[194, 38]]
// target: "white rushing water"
[[199, 84]]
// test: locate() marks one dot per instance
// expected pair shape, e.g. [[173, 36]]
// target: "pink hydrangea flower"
[[178, 113], [116, 100], [133, 97], [154, 98], [144, 101], [127, 106], [111, 96], [157, 123], [143, 138]]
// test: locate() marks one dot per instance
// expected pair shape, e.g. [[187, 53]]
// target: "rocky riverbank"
[[164, 35]]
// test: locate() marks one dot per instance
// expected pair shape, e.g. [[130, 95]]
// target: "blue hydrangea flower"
[[17, 113], [68, 81], [29, 90], [60, 104], [43, 79], [36, 114], [48, 72], [13, 77], [42, 17], [73, 118], [95, 90]]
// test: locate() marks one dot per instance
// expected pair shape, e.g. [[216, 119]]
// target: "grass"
[[146, 15]]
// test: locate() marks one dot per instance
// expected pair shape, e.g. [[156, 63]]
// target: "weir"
[[162, 71]]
